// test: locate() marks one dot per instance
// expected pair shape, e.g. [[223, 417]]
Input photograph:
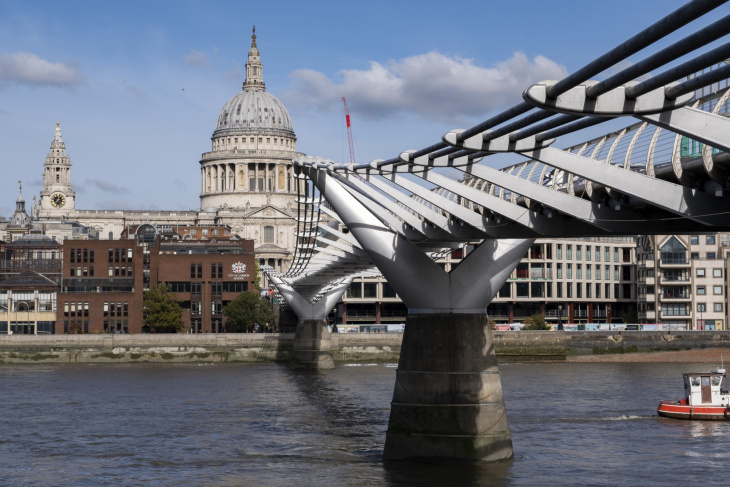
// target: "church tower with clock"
[[57, 197]]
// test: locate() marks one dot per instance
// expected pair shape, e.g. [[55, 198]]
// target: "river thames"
[[266, 425]]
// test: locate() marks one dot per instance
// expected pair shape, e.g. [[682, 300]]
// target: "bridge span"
[[666, 171]]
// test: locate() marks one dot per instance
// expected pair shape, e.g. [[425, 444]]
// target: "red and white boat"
[[706, 397]]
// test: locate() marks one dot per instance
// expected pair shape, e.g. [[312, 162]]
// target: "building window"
[[694, 239], [570, 272], [717, 290], [718, 307], [700, 272], [569, 252], [710, 255], [370, 290], [560, 271], [355, 290], [268, 234], [388, 291], [559, 251], [710, 240], [701, 307], [701, 290], [578, 252]]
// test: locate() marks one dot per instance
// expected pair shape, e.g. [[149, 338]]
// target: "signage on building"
[[238, 271]]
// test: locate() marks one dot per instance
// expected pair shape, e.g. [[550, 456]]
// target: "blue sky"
[[113, 74]]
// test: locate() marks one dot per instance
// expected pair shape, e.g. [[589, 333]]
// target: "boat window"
[[716, 380], [695, 381], [705, 381]]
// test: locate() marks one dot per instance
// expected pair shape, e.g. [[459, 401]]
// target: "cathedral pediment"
[[268, 212]]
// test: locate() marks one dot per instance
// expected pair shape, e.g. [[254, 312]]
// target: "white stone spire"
[[254, 68], [57, 196]]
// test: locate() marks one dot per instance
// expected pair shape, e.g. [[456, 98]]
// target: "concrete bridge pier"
[[312, 346], [447, 402]]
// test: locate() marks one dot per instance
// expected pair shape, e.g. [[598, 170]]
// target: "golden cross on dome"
[[58, 126]]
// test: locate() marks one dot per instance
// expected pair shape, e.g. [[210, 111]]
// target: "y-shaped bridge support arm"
[[312, 346]]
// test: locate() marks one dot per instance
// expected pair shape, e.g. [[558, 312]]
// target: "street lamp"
[[560, 317]]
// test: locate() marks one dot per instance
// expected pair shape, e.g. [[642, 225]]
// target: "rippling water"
[[265, 425]]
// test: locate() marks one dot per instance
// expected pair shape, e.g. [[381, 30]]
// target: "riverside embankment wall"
[[383, 347]]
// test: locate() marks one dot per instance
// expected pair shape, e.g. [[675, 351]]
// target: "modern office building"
[[683, 280], [590, 280]]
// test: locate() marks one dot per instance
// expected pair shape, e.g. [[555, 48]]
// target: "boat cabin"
[[706, 388]]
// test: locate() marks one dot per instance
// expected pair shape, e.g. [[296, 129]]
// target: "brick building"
[[103, 280]]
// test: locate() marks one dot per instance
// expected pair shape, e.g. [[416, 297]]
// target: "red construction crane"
[[349, 132]]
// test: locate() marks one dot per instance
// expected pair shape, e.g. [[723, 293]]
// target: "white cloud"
[[197, 58], [138, 93], [429, 85], [27, 68], [106, 186]]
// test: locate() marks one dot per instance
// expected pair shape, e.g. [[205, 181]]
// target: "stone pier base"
[[312, 347], [447, 404]]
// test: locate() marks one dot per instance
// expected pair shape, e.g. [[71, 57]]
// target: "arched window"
[[269, 234], [673, 252]]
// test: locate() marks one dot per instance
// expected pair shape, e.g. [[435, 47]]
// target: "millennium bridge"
[[666, 171]]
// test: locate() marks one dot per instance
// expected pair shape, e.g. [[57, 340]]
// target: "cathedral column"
[[256, 177], [266, 178], [202, 180]]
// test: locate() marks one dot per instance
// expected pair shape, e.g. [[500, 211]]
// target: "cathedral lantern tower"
[[57, 197]]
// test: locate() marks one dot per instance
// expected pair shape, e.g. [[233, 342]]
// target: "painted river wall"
[[371, 347]]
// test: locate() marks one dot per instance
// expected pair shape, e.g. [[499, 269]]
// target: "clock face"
[[58, 200]]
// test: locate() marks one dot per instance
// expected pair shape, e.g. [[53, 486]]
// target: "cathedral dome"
[[253, 111]]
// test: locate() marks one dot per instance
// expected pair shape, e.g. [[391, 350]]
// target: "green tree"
[[631, 315], [535, 322], [248, 308], [162, 311]]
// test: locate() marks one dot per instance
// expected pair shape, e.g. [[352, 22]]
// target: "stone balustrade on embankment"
[[346, 347]]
